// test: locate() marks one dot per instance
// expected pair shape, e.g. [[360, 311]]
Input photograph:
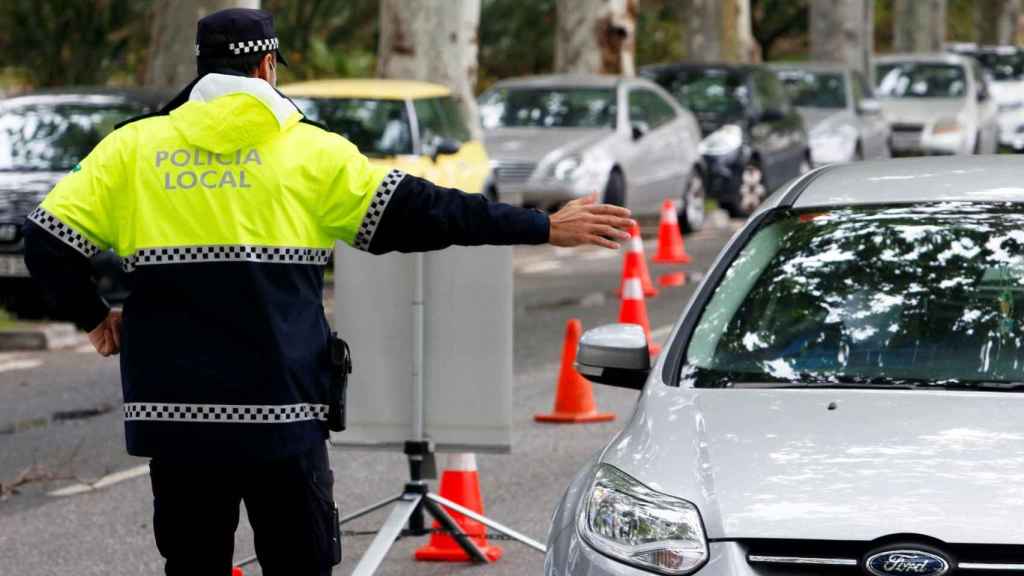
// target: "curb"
[[47, 336]]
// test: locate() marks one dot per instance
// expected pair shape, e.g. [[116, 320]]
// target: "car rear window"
[[908, 296], [377, 127], [921, 80]]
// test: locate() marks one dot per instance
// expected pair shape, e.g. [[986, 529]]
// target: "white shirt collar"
[[214, 86]]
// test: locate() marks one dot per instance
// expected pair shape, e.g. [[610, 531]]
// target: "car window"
[[55, 137], [887, 296], [921, 80], [813, 89], [716, 91], [649, 107], [440, 118], [376, 127], [548, 108], [1003, 65]]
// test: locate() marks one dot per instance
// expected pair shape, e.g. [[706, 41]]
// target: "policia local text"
[[215, 178]]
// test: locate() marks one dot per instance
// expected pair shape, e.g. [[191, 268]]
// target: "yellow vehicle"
[[415, 127]]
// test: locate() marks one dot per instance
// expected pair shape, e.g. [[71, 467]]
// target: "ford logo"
[[906, 562]]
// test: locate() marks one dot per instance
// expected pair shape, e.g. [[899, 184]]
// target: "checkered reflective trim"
[[247, 47], [376, 210], [54, 226], [224, 413], [236, 253]]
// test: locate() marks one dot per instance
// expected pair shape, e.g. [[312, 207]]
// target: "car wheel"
[[858, 153], [977, 144], [752, 191], [615, 189], [691, 213]]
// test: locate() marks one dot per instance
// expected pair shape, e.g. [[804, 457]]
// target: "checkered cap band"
[[224, 413], [376, 210], [231, 253], [63, 232], [245, 47]]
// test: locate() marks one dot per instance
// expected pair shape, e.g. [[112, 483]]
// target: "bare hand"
[[583, 221], [106, 338]]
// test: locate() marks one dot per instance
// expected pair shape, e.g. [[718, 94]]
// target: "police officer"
[[225, 207]]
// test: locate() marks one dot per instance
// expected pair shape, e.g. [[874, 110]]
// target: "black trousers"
[[289, 503]]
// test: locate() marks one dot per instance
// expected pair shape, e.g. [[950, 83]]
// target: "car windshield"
[[548, 108], [376, 127], [814, 89], [719, 91], [1003, 66], [893, 297], [920, 80], [55, 137]]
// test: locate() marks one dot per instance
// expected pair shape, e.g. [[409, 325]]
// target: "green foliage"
[[517, 38], [326, 38], [775, 22], [55, 42], [659, 32]]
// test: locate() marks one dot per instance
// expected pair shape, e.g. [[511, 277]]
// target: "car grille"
[[845, 558], [906, 136], [513, 172]]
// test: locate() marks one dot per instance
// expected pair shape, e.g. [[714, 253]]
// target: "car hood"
[[831, 464], [711, 121], [535, 144], [1008, 91], [824, 119], [21, 192], [921, 110]]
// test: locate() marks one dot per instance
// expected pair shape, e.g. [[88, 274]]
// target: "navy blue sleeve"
[[65, 276], [421, 216]]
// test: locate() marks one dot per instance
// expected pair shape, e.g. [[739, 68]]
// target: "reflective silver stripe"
[[238, 253], [224, 413], [376, 210], [802, 560], [63, 232], [984, 566]]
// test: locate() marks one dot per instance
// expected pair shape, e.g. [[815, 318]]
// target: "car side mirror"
[[616, 355], [446, 147], [640, 129], [869, 107]]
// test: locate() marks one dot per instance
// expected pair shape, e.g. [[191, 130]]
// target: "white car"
[[555, 138], [1006, 65], [936, 104], [844, 122], [841, 396]]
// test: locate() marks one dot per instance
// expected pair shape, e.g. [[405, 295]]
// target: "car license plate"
[[906, 141], [13, 266]]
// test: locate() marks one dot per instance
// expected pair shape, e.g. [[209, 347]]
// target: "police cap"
[[237, 31]]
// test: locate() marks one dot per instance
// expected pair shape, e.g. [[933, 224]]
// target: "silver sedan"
[[555, 138], [841, 396]]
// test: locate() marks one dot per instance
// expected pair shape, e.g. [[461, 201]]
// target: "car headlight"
[[566, 168], [725, 140], [628, 521], [946, 126]]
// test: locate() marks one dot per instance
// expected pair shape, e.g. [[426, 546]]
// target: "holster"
[[341, 367]]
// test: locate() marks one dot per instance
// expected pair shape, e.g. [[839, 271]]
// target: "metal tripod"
[[408, 509]]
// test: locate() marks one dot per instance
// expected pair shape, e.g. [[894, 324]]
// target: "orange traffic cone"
[[635, 260], [574, 398], [672, 279], [670, 239], [237, 572], [460, 483], [633, 310]]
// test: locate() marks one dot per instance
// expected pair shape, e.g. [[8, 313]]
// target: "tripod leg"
[[389, 532], [434, 498], [368, 509], [452, 527]]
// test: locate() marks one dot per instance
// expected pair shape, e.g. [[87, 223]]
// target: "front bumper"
[[1011, 130], [544, 193], [725, 174], [570, 556]]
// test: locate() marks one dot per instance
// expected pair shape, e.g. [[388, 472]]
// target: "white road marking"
[[600, 255], [109, 480], [540, 267], [23, 364]]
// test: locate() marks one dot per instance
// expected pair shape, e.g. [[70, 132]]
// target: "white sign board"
[[468, 315]]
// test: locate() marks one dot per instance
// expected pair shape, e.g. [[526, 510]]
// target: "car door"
[[441, 118], [774, 130], [874, 130], [663, 146], [639, 149]]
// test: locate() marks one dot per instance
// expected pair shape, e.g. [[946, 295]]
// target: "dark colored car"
[[43, 134], [754, 138]]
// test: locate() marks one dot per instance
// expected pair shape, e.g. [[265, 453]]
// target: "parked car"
[[838, 398], [556, 138], [1005, 66], [43, 135], [416, 127], [936, 104], [754, 139], [844, 122]]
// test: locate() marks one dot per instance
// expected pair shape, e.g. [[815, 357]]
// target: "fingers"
[[601, 241], [609, 210], [609, 232], [115, 330], [617, 222]]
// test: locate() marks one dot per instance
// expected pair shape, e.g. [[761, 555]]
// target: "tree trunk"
[[918, 25], [842, 31], [171, 61], [434, 41], [719, 31], [596, 37], [995, 21]]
